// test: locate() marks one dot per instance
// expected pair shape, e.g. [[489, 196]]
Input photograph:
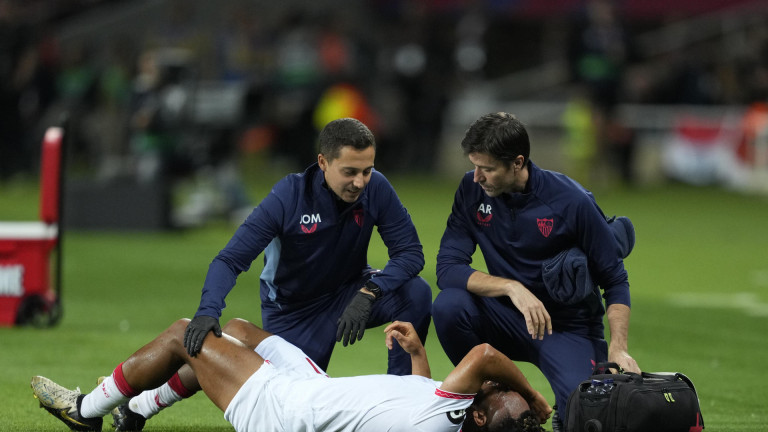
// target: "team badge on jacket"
[[359, 215], [545, 226]]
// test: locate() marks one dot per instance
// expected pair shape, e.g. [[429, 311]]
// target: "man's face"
[[493, 175], [348, 174], [502, 403]]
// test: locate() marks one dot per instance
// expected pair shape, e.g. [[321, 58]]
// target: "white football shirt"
[[291, 394]]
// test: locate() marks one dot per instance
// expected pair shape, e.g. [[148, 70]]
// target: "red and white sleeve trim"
[[450, 395]]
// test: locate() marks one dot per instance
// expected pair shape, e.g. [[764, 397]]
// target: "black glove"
[[196, 331], [355, 317]]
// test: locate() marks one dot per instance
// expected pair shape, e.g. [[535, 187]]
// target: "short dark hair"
[[527, 422], [500, 135], [341, 133]]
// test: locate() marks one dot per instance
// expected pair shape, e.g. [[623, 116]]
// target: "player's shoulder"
[[299, 181], [288, 188], [377, 177], [467, 185], [379, 187], [554, 187], [469, 193]]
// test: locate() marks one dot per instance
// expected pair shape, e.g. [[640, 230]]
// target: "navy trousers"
[[313, 327], [463, 320]]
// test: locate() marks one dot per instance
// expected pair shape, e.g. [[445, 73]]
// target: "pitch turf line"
[[747, 302]]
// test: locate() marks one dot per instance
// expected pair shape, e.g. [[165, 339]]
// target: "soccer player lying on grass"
[[263, 383]]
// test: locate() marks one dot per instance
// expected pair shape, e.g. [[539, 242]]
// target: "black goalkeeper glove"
[[196, 331], [355, 317]]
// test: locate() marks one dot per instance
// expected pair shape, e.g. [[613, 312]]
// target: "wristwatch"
[[374, 289]]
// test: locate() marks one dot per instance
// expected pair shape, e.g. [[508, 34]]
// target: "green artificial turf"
[[699, 278]]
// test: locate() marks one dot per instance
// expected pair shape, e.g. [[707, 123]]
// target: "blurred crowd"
[[610, 65], [172, 97], [190, 90]]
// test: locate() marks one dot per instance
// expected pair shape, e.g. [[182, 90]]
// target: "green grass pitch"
[[699, 278]]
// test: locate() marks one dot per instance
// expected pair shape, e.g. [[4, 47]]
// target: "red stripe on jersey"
[[315, 367], [449, 395]]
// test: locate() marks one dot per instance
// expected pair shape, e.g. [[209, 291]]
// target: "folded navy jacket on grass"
[[566, 275]]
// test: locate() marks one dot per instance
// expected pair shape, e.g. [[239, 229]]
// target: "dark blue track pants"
[[463, 320], [313, 328]]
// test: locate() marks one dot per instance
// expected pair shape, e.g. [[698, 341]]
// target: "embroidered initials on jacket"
[[307, 219], [484, 215]]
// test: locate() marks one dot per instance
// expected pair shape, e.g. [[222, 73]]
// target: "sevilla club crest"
[[545, 226], [358, 215]]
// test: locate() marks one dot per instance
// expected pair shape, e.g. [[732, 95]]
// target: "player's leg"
[[84, 412], [312, 328], [133, 415], [411, 302], [283, 355], [222, 366], [247, 333]]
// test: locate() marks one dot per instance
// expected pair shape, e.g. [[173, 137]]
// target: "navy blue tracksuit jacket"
[[314, 250], [516, 234]]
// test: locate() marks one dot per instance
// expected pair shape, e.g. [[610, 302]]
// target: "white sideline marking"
[[745, 301]]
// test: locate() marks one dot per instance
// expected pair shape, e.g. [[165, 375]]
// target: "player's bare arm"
[[406, 336], [485, 363], [618, 322], [537, 318]]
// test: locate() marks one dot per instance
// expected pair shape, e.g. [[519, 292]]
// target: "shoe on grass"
[[123, 419], [64, 404]]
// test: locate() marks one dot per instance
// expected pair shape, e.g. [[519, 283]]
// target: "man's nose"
[[478, 176]]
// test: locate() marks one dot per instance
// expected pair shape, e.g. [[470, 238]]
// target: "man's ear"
[[519, 162], [479, 417], [322, 162]]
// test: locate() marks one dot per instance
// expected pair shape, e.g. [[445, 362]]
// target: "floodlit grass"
[[698, 272]]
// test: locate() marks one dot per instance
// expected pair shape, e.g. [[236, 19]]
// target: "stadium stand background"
[[257, 77]]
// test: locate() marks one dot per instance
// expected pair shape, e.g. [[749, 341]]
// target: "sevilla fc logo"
[[545, 226], [359, 215]]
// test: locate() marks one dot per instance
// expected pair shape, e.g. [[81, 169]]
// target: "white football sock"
[[151, 402], [101, 400]]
